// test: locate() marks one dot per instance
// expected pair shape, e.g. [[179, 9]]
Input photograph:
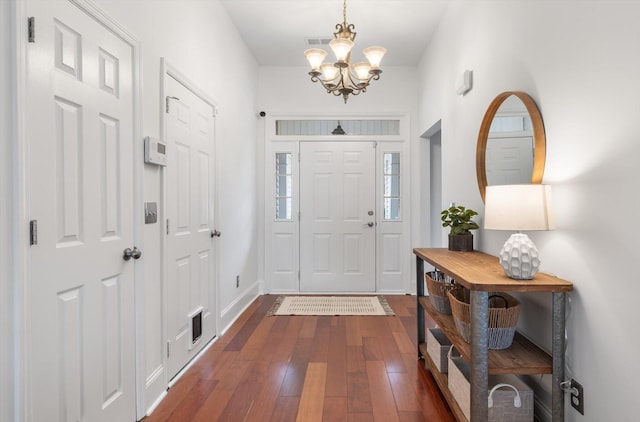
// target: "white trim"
[[168, 69], [21, 262], [238, 306]]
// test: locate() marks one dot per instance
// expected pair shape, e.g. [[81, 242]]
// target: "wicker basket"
[[503, 317], [438, 285]]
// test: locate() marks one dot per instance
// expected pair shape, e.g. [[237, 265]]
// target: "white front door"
[[190, 195], [337, 226], [79, 124]]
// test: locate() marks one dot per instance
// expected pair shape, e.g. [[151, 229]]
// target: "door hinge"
[[166, 102], [298, 275], [33, 232], [167, 226], [31, 29], [375, 144], [299, 158], [299, 216], [215, 111], [168, 353]]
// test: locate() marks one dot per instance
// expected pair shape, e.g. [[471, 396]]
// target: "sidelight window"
[[391, 185], [283, 181]]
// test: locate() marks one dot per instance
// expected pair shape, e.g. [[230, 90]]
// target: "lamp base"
[[519, 257]]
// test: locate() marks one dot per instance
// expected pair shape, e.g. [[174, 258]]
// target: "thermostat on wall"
[[155, 151]]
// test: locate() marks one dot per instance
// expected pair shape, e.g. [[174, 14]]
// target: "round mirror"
[[511, 143]]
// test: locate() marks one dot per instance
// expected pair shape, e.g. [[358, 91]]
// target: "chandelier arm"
[[356, 83]]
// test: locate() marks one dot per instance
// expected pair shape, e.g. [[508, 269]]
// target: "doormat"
[[330, 305]]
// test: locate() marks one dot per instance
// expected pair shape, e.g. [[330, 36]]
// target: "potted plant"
[[460, 220]]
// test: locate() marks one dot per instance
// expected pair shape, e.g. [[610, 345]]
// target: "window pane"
[[391, 208], [283, 163], [394, 186], [283, 208]]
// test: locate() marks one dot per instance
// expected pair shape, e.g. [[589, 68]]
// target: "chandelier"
[[341, 77]]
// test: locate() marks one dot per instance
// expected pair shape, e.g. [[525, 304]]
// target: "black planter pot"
[[461, 242]]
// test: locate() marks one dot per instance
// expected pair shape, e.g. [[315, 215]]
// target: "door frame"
[[167, 70], [290, 143], [22, 258]]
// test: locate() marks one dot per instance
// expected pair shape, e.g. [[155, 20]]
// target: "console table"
[[481, 273]]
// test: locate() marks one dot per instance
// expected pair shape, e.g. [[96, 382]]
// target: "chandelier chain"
[[344, 12]]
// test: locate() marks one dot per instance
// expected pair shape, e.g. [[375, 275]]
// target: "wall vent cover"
[[318, 41]]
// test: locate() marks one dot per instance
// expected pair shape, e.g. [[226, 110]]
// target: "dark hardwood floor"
[[310, 368]]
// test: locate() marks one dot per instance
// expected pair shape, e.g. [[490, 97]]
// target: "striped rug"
[[331, 305]]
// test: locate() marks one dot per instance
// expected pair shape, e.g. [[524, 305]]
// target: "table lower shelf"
[[523, 357], [443, 384]]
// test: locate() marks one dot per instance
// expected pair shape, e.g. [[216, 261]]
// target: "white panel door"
[[190, 194], [81, 147], [337, 227], [509, 161]]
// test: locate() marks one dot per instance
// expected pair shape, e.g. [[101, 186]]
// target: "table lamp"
[[519, 208]]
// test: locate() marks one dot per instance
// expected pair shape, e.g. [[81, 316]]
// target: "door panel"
[[191, 259], [81, 150], [337, 193], [509, 160]]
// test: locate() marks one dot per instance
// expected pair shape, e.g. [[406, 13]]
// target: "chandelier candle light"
[[519, 207], [342, 78]]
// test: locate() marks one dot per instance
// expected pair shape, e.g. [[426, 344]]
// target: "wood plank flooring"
[[310, 368]]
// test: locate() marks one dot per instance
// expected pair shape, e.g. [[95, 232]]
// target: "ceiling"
[[276, 31]]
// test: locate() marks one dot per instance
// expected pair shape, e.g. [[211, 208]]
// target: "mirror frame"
[[539, 138]]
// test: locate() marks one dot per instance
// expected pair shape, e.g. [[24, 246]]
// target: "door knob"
[[370, 223], [129, 253], [216, 233]]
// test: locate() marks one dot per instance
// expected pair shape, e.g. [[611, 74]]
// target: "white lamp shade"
[[374, 55], [329, 71], [341, 48], [315, 57], [361, 70], [518, 207]]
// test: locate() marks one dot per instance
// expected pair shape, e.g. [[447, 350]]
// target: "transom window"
[[337, 127]]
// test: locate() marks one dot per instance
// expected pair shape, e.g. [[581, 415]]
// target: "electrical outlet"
[[237, 281], [577, 396]]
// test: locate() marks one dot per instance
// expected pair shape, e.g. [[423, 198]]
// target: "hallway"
[[284, 368]]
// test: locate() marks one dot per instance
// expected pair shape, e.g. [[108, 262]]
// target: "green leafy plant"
[[459, 219]]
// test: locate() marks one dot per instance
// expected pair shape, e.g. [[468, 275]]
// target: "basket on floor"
[[438, 285], [503, 317]]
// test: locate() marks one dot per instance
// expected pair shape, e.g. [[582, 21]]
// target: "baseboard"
[[229, 314]]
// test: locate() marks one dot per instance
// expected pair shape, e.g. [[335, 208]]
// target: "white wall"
[[579, 61]]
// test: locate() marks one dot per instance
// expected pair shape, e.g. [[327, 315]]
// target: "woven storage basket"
[[438, 285], [503, 317]]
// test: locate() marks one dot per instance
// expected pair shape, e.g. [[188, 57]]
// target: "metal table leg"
[[479, 355], [559, 341], [420, 309]]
